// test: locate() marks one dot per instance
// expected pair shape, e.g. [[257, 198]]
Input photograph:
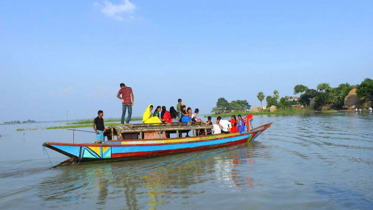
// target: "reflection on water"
[[152, 182], [301, 162]]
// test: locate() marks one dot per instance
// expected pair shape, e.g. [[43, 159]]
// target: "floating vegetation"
[[79, 126], [90, 121], [23, 129]]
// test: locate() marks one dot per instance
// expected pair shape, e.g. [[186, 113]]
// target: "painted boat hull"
[[130, 149]]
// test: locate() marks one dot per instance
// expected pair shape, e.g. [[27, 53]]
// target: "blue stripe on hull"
[[129, 149], [73, 150]]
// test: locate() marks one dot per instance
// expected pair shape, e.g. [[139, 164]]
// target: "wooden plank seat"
[[148, 131]]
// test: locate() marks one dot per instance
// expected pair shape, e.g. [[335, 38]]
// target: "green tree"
[[338, 94], [271, 101], [323, 87], [321, 100], [300, 89], [276, 95], [365, 89], [307, 96], [235, 106], [260, 97], [215, 110], [244, 105], [222, 104]]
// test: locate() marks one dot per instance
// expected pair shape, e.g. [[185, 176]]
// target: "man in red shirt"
[[125, 94]]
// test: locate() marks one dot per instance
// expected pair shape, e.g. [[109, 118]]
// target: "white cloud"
[[117, 11]]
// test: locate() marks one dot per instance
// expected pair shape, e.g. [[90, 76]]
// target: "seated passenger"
[[240, 125], [209, 122], [209, 131], [225, 124], [194, 116], [157, 111], [188, 117], [173, 114], [166, 117], [147, 116], [234, 124], [183, 113], [216, 129]]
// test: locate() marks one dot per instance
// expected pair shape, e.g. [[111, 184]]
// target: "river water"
[[322, 161]]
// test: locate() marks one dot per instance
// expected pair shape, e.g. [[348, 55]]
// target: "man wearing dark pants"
[[125, 94]]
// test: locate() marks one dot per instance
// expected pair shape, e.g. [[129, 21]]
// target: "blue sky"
[[72, 55]]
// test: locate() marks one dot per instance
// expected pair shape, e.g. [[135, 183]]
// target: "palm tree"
[[276, 94], [260, 97]]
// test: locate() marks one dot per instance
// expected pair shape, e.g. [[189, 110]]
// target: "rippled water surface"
[[301, 162]]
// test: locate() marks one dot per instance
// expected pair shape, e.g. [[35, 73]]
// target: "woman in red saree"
[[234, 124], [166, 117]]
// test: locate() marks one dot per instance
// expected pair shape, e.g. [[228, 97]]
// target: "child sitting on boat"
[[195, 115], [240, 124]]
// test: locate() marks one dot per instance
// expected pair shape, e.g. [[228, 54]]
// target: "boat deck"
[[123, 130]]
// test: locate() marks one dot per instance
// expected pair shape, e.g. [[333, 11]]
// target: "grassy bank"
[[90, 121], [277, 112]]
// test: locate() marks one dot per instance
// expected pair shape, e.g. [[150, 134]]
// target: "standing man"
[[99, 127], [178, 106], [125, 94]]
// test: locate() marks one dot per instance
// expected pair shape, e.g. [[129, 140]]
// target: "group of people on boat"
[[181, 114], [234, 125], [162, 115], [185, 116]]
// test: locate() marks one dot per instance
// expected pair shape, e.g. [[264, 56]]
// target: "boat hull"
[[130, 149]]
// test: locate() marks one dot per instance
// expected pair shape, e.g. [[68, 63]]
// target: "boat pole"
[[79, 131]]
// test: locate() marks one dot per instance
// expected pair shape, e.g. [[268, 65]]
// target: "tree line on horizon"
[[323, 96], [223, 106]]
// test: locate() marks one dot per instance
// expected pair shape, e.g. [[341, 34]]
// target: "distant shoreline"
[[281, 112]]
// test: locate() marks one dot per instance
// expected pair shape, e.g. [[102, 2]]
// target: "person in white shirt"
[[216, 129], [225, 125]]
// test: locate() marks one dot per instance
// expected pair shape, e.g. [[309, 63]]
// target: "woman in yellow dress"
[[147, 116]]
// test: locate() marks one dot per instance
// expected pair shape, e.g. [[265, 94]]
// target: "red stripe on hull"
[[166, 152]]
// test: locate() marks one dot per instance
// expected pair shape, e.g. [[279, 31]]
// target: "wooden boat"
[[147, 140]]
